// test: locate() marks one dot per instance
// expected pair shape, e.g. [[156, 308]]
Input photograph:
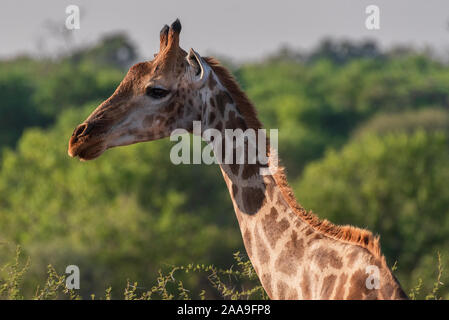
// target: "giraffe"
[[294, 253]]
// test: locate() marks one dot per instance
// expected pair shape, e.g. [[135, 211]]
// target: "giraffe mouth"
[[92, 152], [86, 149]]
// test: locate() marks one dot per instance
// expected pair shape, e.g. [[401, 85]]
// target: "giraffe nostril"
[[88, 128], [82, 130], [78, 130]]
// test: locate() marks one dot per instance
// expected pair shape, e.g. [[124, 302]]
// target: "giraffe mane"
[[350, 234]]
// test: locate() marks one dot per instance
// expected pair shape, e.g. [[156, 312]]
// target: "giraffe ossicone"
[[295, 254]]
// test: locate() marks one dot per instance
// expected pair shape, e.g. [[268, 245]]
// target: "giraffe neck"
[[293, 259]]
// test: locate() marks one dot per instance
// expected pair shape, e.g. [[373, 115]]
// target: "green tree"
[[17, 109]]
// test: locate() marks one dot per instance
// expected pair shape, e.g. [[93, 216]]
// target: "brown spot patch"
[[287, 261], [169, 108], [222, 99], [253, 199], [212, 102], [387, 290], [262, 251], [189, 126], [314, 237], [235, 190], [282, 288], [249, 170], [352, 257], [305, 286], [285, 292], [308, 232], [327, 257], [273, 229], [211, 117], [328, 286], [234, 168], [358, 289]]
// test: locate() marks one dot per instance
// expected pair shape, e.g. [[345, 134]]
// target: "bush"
[[239, 282]]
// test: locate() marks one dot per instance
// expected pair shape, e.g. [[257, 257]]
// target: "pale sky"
[[240, 29]]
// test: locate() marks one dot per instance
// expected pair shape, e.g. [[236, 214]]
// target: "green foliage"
[[73, 84], [345, 51], [236, 283], [17, 110], [415, 292], [429, 119], [10, 286]]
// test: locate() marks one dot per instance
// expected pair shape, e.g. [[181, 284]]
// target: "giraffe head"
[[153, 99]]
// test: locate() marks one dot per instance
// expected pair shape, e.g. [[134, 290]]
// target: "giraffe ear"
[[199, 67]]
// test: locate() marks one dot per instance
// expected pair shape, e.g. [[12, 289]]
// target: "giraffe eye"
[[156, 93]]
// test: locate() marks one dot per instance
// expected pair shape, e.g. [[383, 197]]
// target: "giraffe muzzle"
[[86, 142]]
